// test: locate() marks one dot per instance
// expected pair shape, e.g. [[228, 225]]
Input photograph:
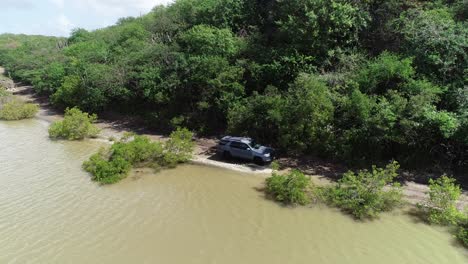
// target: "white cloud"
[[64, 25], [117, 7], [59, 17], [17, 4], [59, 3]]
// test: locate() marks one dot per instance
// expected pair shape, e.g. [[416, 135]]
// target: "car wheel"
[[259, 161], [227, 155]]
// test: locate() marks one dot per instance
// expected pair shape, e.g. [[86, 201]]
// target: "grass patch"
[[113, 164], [76, 125]]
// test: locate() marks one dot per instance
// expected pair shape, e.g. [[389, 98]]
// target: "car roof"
[[238, 139]]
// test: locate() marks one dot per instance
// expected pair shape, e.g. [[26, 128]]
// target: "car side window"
[[239, 145], [236, 145]]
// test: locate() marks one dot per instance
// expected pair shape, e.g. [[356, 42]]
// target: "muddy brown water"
[[50, 212]]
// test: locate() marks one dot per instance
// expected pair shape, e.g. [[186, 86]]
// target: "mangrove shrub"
[[367, 193], [112, 165], [462, 233], [290, 188], [12, 108], [76, 125], [441, 207]]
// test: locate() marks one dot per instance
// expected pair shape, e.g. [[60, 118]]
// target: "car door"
[[241, 150]]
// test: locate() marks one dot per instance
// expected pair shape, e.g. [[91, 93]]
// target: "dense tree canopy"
[[359, 81]]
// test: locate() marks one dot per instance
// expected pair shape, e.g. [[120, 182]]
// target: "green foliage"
[[258, 116], [112, 165], [203, 39], [298, 119], [356, 81], [437, 41], [441, 206], [107, 171], [4, 92], [49, 79], [389, 109], [367, 193], [462, 232], [308, 110], [76, 125], [311, 25], [291, 188], [68, 93], [384, 73], [179, 147], [12, 108]]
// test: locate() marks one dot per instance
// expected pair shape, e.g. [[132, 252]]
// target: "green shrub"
[[12, 108], [75, 125], [291, 188], [367, 193], [4, 92], [112, 165], [441, 206], [107, 171], [179, 147], [462, 233], [138, 151]]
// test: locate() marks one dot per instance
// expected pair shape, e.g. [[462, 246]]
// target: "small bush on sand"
[[12, 108], [367, 193], [76, 125], [290, 188], [112, 165]]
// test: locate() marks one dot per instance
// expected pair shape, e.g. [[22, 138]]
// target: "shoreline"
[[205, 155]]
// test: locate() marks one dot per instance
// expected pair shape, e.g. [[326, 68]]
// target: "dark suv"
[[245, 148]]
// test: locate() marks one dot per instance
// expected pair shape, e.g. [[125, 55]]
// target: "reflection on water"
[[50, 212]]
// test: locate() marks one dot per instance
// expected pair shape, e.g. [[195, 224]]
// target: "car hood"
[[263, 150]]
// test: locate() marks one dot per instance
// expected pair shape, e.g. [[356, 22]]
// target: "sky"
[[59, 17]]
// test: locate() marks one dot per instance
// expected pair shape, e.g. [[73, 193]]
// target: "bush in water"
[[105, 168], [12, 108], [75, 125], [291, 188], [112, 165], [462, 233], [367, 193], [441, 206], [179, 147]]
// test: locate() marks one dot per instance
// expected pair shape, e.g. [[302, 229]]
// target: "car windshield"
[[254, 144]]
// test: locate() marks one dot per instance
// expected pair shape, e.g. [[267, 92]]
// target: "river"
[[51, 212]]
